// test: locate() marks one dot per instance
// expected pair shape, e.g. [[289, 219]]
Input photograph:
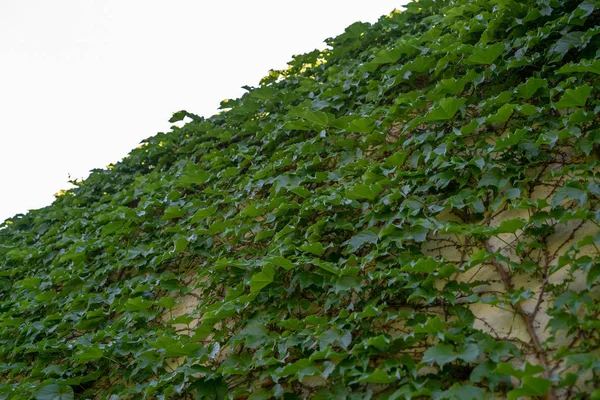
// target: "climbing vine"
[[409, 213]]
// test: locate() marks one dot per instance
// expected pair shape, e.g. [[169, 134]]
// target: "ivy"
[[409, 213]]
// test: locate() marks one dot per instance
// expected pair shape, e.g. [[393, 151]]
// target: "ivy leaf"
[[361, 125], [203, 213], [252, 210], [440, 354], [493, 177], [468, 353], [503, 114], [173, 212], [397, 159], [192, 177], [54, 392], [362, 191], [467, 392], [592, 276], [282, 262], [566, 43], [315, 248], [262, 279], [377, 376], [530, 387], [387, 56], [445, 109], [582, 66], [112, 227], [530, 87], [433, 326], [512, 193], [574, 97], [318, 118], [424, 265], [178, 116], [89, 354], [450, 86], [486, 54], [510, 225], [327, 266], [571, 192], [346, 282], [357, 241], [210, 389], [137, 304], [526, 370]]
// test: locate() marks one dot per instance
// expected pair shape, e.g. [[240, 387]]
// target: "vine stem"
[[527, 318]]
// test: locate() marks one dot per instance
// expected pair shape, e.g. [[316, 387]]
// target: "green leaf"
[[397, 159], [89, 354], [574, 97], [592, 276], [445, 109], [54, 392], [326, 266], [180, 244], [510, 225], [467, 392], [513, 139], [571, 192], [252, 210], [485, 55], [213, 389], [503, 114], [387, 56], [378, 376], [29, 283], [530, 87], [262, 279], [425, 264], [192, 177], [178, 116], [525, 370], [361, 125], [167, 302], [450, 86], [440, 354], [468, 353], [112, 227], [173, 212], [315, 248], [138, 304], [433, 326], [566, 43], [362, 191], [493, 177], [357, 241], [530, 387], [346, 282], [203, 213], [282, 262], [512, 193], [583, 66], [318, 118]]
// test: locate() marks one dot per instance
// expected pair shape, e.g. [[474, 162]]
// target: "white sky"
[[82, 82]]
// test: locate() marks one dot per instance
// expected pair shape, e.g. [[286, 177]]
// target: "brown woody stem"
[[528, 319]]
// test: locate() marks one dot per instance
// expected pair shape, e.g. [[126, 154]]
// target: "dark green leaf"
[[574, 97], [55, 392]]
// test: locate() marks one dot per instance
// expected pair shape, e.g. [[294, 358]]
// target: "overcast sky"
[[82, 82]]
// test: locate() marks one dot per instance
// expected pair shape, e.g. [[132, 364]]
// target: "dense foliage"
[[322, 236]]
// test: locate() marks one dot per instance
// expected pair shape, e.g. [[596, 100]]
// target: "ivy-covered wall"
[[411, 213]]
